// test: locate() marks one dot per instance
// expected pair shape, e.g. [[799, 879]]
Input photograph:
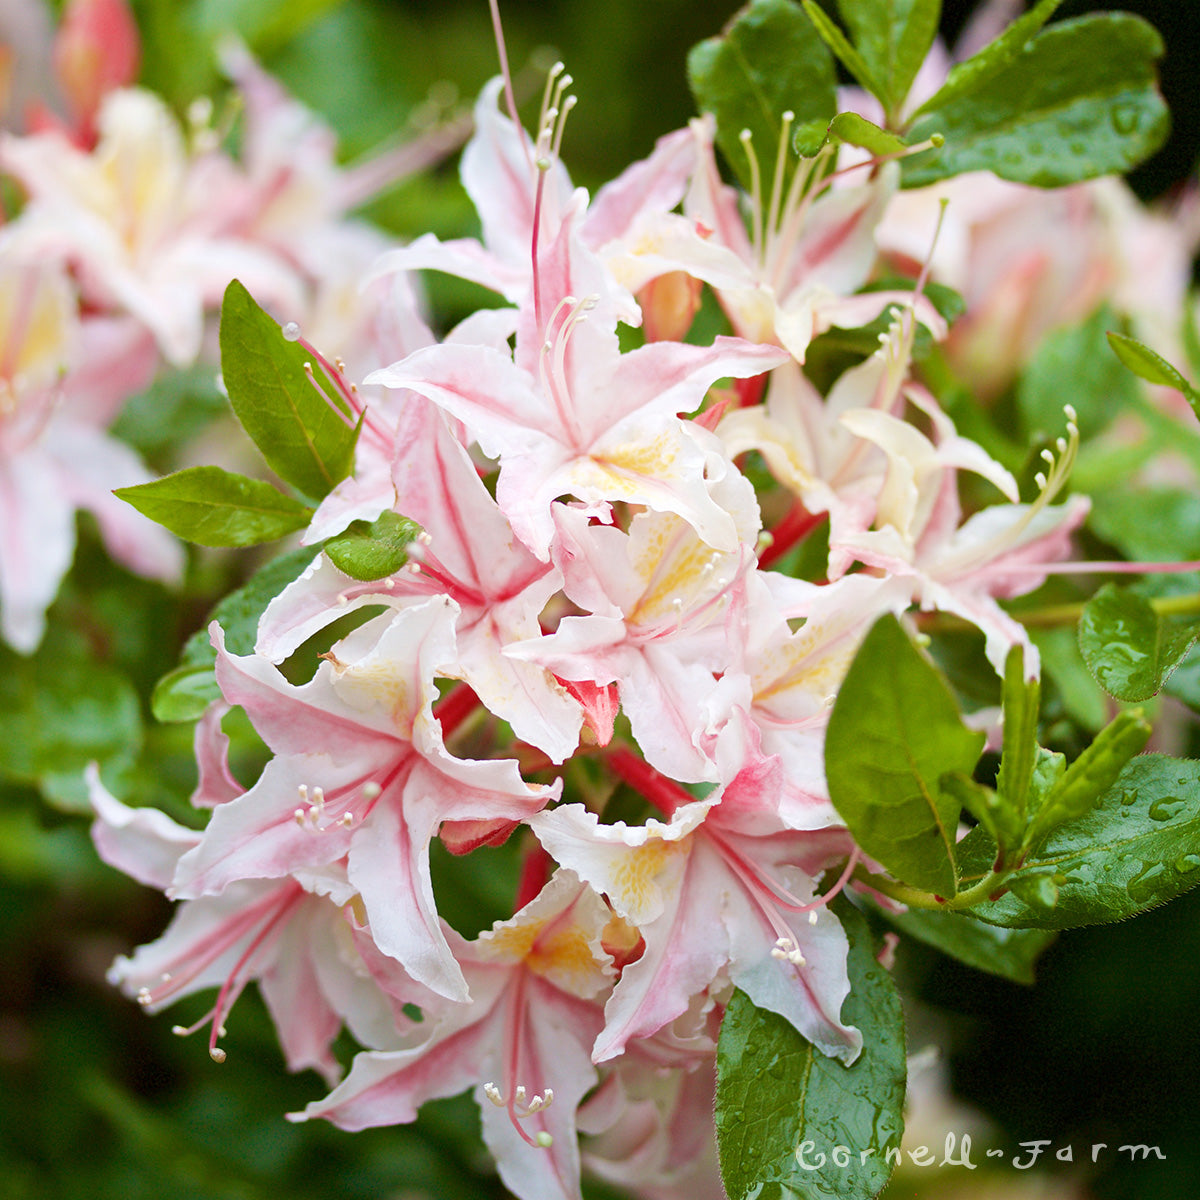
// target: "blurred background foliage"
[[96, 1101]]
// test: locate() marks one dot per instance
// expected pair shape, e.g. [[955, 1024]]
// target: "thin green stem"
[[916, 898]]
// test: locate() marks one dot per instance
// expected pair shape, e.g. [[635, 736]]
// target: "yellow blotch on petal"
[[637, 882]]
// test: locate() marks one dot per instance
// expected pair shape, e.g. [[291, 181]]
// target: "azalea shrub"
[[782, 554]]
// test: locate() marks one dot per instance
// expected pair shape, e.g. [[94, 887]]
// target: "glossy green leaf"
[[778, 1094], [1129, 647], [768, 61], [184, 693], [846, 53], [1137, 848], [1072, 365], [893, 37], [894, 732], [300, 428], [61, 708], [373, 549], [1152, 367], [1009, 953], [1079, 101], [966, 77], [214, 507], [1091, 775]]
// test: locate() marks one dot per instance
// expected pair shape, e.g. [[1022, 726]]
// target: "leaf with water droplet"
[[1091, 79], [767, 61], [1129, 647], [1115, 860], [1091, 775], [763, 1117]]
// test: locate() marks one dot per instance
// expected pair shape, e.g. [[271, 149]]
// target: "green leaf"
[[1009, 953], [1129, 647], [768, 61], [62, 708], [1091, 775], [1079, 101], [966, 77], [1137, 848], [1020, 749], [894, 731], [214, 507], [858, 131], [184, 693], [985, 805], [1071, 364], [893, 37], [846, 53], [1152, 367], [301, 429], [374, 549], [776, 1092], [1148, 524]]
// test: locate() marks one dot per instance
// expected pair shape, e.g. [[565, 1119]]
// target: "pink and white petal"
[[389, 866], [522, 693], [305, 1022], [37, 543], [685, 948], [663, 379], [462, 257], [216, 784], [656, 184], [479, 385], [259, 836], [555, 1032], [808, 996], [142, 842], [500, 176], [388, 1087]]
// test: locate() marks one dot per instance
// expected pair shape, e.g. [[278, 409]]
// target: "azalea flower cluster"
[[594, 603], [129, 230]]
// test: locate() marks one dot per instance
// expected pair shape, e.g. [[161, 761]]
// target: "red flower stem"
[[455, 707], [793, 529], [665, 794]]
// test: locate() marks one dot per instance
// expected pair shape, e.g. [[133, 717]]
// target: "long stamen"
[[777, 182], [756, 208]]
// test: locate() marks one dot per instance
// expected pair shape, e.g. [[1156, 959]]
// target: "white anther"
[[216, 1054], [812, 917], [492, 1092], [425, 538]]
